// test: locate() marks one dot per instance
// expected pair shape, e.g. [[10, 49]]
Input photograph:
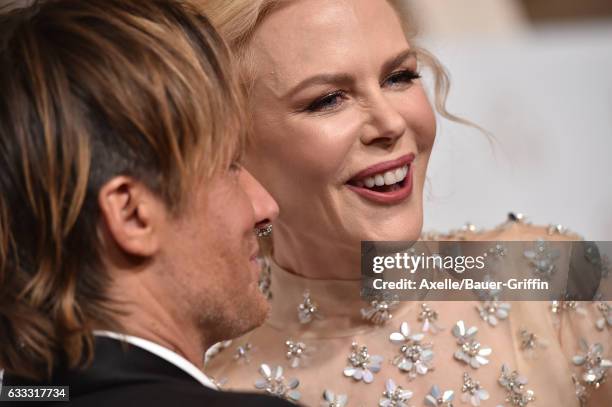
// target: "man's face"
[[208, 260]]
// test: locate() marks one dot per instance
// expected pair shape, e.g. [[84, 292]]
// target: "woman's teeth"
[[387, 178]]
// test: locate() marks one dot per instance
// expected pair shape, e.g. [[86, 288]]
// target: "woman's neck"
[[310, 256]]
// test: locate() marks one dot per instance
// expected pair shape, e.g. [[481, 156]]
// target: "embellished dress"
[[323, 345]]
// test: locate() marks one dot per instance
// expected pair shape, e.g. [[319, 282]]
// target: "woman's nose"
[[385, 124]]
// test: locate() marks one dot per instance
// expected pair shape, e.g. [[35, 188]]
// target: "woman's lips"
[[380, 168], [398, 193]]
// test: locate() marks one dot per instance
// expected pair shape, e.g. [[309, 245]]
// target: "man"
[[127, 242]]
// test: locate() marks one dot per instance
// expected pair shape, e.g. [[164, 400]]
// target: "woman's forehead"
[[307, 37]]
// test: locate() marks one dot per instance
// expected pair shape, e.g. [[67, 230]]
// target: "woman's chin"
[[398, 232], [396, 237], [376, 221], [401, 228]]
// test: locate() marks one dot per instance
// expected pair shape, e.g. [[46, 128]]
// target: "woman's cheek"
[[423, 120], [319, 153]]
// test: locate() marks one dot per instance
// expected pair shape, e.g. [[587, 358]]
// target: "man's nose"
[[265, 207]]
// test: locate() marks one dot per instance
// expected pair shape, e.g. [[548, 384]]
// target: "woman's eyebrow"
[[397, 60], [344, 78], [320, 79]]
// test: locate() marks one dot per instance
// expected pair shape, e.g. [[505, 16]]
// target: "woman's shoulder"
[[551, 250], [516, 227]]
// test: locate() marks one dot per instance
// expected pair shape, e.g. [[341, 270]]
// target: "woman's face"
[[337, 110]]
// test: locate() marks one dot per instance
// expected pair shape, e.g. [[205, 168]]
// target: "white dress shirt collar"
[[163, 353]]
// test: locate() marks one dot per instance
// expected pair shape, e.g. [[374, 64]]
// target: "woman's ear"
[[133, 215]]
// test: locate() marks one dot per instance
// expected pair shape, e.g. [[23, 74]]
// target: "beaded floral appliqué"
[[429, 317], [414, 356], [606, 315], [558, 307], [242, 353], [470, 350], [297, 353], [379, 311], [542, 259], [530, 342], [273, 382], [594, 365], [493, 311], [436, 398], [514, 383], [362, 365], [472, 391], [334, 400], [497, 252], [394, 395], [308, 310]]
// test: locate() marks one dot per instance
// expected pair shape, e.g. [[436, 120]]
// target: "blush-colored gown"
[[338, 350]]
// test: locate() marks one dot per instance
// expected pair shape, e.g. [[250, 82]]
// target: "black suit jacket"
[[126, 375]]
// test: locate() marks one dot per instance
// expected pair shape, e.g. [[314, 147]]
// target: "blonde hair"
[[91, 90], [237, 21]]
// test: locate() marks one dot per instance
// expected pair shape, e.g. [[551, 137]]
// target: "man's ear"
[[133, 215]]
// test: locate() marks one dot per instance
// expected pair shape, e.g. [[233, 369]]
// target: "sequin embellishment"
[[594, 365], [242, 353], [542, 259], [493, 311], [606, 315], [414, 356], [436, 398], [274, 383], [470, 350], [472, 392], [530, 342], [514, 383], [308, 310], [334, 400], [362, 365], [379, 311], [394, 395], [429, 318], [297, 352]]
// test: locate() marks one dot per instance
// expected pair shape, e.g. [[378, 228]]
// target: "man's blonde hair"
[[91, 90]]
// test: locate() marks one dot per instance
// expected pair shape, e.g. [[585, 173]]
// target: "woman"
[[342, 132]]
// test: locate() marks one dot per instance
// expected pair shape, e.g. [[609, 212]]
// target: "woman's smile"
[[350, 122], [388, 182]]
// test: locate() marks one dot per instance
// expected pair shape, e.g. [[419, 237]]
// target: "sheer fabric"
[[537, 339]]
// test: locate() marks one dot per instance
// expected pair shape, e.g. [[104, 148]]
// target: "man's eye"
[[402, 78], [327, 102]]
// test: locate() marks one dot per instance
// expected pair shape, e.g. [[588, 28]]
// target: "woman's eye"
[[327, 102], [235, 166], [402, 78]]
